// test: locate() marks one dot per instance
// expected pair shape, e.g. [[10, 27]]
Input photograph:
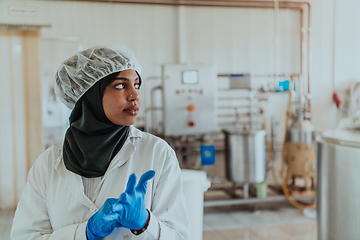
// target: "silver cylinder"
[[245, 156], [301, 131], [338, 191]]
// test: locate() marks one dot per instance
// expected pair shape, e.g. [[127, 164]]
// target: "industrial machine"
[[245, 156], [185, 113], [189, 99], [338, 176], [196, 117], [338, 166], [298, 156], [245, 151]]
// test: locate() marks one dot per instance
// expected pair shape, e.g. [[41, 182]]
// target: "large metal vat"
[[245, 156], [338, 192]]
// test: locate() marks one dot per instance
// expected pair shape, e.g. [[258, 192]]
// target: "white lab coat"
[[54, 206]]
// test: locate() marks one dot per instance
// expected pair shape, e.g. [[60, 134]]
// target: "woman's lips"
[[133, 111]]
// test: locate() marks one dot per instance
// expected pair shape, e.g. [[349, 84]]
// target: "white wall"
[[161, 34], [335, 56], [347, 46], [238, 40], [323, 108]]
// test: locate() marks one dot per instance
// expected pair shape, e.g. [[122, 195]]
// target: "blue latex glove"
[[131, 205], [104, 221]]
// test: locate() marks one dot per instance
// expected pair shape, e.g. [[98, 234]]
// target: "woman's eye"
[[137, 86], [120, 86]]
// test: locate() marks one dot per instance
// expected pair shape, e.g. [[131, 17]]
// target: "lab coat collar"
[[134, 132], [126, 151], [74, 181]]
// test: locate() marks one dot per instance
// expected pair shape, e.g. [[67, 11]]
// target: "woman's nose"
[[134, 96]]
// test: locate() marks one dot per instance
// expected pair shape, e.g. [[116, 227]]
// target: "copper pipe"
[[207, 3], [177, 5], [309, 57], [302, 40]]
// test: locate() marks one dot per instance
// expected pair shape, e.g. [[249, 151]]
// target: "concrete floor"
[[271, 222], [281, 232], [6, 217]]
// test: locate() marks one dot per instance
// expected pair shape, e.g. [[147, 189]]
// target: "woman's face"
[[121, 98]]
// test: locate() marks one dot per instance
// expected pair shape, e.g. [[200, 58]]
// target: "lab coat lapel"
[[119, 160], [122, 157], [74, 181], [74, 184], [125, 152]]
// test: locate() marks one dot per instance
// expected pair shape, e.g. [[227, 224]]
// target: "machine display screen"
[[190, 77]]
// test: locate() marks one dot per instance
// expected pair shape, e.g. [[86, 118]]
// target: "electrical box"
[[189, 99], [207, 153], [240, 81]]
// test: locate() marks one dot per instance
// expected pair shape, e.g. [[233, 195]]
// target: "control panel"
[[189, 95]]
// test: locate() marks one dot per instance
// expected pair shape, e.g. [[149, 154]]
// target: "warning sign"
[[22, 11]]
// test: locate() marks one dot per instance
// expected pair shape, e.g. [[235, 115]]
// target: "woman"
[[85, 187]]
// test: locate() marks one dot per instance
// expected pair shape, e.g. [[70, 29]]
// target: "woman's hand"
[[131, 205], [128, 211], [103, 222]]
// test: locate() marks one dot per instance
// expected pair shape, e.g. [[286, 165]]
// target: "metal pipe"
[[215, 203], [246, 191], [232, 98], [232, 107], [276, 41], [202, 3], [150, 109], [309, 45], [153, 105], [251, 111], [236, 114], [255, 75]]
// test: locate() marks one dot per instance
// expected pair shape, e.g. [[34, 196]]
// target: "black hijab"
[[92, 140]]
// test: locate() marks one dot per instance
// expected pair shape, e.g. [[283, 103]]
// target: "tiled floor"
[[6, 217], [281, 232], [270, 222]]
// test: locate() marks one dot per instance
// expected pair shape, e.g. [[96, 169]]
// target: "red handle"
[[337, 99]]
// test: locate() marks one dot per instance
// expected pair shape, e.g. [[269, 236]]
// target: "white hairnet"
[[81, 71]]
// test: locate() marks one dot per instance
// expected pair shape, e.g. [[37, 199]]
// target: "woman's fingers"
[[111, 217], [130, 188], [118, 207], [141, 186], [114, 215]]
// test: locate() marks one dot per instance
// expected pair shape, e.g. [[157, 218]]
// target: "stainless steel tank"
[[300, 153], [301, 131], [338, 191], [245, 156]]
